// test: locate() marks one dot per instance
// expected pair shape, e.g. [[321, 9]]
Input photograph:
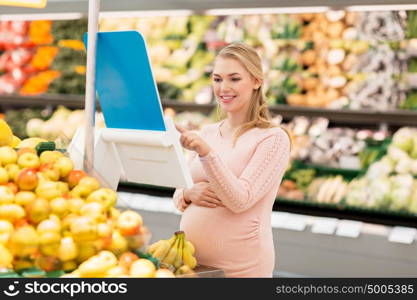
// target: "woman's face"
[[233, 85]]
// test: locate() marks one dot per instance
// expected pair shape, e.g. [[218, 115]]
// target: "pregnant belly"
[[220, 236]]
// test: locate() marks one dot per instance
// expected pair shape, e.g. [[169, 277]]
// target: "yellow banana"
[[178, 259], [190, 247], [152, 248], [162, 250], [188, 258], [185, 270], [172, 254]]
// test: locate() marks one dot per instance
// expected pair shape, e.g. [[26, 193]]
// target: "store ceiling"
[[198, 6]]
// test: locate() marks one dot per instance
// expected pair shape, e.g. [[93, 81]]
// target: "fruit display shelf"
[[356, 118], [340, 210]]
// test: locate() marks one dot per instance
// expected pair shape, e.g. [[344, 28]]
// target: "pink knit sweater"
[[237, 238]]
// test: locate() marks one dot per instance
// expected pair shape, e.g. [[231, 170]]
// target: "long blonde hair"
[[258, 114]]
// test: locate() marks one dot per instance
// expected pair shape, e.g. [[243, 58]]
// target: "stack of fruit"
[[106, 264], [54, 217], [175, 254]]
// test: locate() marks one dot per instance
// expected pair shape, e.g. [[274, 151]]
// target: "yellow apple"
[[7, 155], [49, 171], [142, 268], [4, 176], [64, 165], [24, 198], [6, 258], [59, 206], [116, 271], [84, 228], [24, 241], [49, 225], [129, 222], [6, 195], [50, 238], [28, 160], [68, 249], [11, 212], [63, 187], [91, 182], [66, 223], [6, 229], [27, 179], [50, 156], [12, 170], [106, 196], [69, 265], [23, 150], [38, 210], [22, 263], [48, 190], [81, 191], [118, 243], [85, 251], [98, 265], [164, 273], [104, 230], [75, 205], [94, 210]]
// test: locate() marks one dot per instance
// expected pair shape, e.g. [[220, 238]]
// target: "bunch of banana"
[[176, 252]]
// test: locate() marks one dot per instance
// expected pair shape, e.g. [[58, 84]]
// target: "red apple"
[[129, 222], [27, 179], [74, 177]]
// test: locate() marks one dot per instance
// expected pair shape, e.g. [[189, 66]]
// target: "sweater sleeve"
[[263, 170]]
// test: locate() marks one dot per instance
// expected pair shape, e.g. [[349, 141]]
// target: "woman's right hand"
[[201, 194]]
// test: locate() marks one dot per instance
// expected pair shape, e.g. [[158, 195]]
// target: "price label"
[[347, 228], [324, 225], [403, 235], [24, 3], [294, 222]]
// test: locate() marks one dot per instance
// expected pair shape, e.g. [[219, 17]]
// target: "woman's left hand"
[[192, 141]]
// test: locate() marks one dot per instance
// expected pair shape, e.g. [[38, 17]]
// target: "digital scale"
[[138, 144]]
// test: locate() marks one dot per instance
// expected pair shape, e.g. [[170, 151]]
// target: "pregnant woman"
[[237, 166]]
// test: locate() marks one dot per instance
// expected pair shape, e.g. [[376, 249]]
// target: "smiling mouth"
[[227, 99]]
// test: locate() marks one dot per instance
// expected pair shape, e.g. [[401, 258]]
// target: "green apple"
[[50, 156], [6, 195], [104, 195], [48, 190], [27, 179], [59, 206], [7, 155], [24, 198], [4, 176], [64, 165], [28, 160]]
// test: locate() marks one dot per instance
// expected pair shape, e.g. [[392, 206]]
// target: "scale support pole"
[[90, 93]]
